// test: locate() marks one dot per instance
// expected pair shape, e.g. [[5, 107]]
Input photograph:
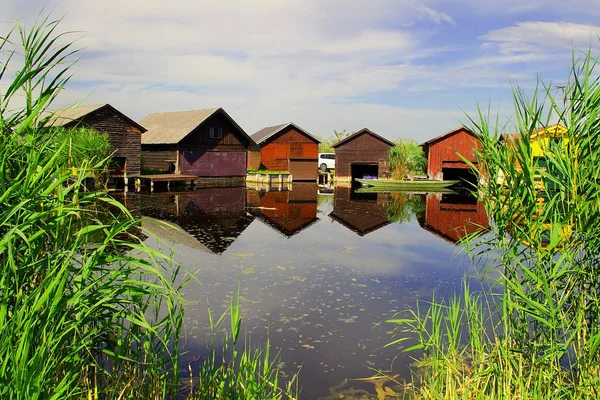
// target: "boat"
[[419, 185]]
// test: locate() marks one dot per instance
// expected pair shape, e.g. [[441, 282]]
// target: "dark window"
[[215, 133]]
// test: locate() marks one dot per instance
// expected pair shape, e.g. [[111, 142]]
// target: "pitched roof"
[[65, 116], [265, 133], [362, 131], [172, 127], [549, 130], [453, 131]]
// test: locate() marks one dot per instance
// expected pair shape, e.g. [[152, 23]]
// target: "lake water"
[[318, 273]]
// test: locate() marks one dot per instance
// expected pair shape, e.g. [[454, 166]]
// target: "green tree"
[[326, 143], [407, 159]]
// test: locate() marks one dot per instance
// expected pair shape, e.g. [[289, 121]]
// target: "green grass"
[[536, 334], [266, 172]]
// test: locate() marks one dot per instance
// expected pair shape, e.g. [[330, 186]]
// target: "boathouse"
[[287, 212], [124, 133], [206, 219], [204, 143], [362, 154], [362, 213], [446, 155], [452, 217], [286, 147]]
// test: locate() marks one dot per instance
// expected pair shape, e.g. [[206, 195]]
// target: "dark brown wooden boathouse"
[[204, 143], [123, 132], [361, 154], [445, 155], [362, 213], [286, 147]]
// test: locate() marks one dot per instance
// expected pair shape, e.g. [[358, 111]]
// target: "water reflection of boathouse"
[[287, 211], [452, 216], [362, 213], [214, 217]]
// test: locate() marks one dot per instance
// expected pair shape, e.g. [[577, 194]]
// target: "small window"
[[215, 133]]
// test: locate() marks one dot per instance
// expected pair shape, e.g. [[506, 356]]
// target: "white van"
[[326, 161]]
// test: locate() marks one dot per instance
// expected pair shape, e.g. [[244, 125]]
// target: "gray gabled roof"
[[172, 127], [265, 133], [68, 115], [362, 132]]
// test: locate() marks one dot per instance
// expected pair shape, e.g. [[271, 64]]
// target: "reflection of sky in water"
[[321, 293]]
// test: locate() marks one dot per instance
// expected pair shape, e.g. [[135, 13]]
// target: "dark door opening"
[[364, 171], [464, 175]]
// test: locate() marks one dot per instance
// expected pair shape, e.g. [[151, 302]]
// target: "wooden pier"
[[168, 178]]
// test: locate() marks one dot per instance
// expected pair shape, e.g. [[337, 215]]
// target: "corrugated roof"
[[172, 127], [362, 131], [265, 133], [65, 116]]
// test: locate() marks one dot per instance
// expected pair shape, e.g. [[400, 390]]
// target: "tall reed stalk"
[[539, 336], [86, 309]]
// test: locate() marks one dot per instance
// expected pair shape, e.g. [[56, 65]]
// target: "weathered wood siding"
[[199, 154], [158, 157], [232, 138], [363, 149], [452, 220], [254, 159], [124, 137], [445, 153], [289, 144], [211, 163]]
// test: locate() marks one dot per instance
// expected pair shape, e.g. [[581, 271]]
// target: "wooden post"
[[151, 185]]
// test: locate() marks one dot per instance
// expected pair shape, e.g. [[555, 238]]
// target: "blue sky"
[[401, 68]]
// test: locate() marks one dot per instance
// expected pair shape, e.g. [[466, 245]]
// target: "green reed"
[[87, 310], [536, 333], [231, 372]]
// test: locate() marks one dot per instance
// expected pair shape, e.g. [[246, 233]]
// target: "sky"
[[402, 68]]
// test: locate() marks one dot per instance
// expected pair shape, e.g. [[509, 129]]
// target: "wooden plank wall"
[[445, 153], [125, 137], [154, 157], [362, 149], [287, 144], [232, 138]]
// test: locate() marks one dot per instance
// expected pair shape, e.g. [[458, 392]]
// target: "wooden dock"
[[168, 178]]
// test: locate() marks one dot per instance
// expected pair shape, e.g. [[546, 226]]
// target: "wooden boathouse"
[[361, 154], [124, 134], [362, 213], [285, 147], [287, 212], [445, 155], [206, 219], [204, 143], [452, 217]]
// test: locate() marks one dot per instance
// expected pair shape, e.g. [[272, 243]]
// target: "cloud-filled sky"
[[407, 68]]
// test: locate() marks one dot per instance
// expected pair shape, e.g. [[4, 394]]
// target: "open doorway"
[[465, 175], [364, 171]]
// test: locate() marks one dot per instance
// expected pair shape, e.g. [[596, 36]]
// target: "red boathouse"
[[445, 155]]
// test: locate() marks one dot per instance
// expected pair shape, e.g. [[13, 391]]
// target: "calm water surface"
[[318, 273]]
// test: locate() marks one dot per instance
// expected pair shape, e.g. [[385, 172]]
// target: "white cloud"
[[268, 61], [541, 36], [436, 16]]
